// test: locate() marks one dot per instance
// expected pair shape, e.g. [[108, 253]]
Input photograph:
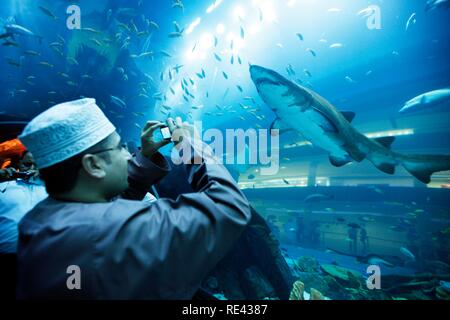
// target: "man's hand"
[[149, 145], [181, 130], [7, 173]]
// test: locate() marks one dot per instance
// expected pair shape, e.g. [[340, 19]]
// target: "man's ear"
[[93, 166]]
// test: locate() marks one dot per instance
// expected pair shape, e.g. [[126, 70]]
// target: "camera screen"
[[165, 133]]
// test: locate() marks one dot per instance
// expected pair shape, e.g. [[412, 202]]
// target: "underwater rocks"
[[335, 282], [442, 293], [256, 286], [308, 264], [340, 272]]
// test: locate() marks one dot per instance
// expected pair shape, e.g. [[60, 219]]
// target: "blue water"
[[372, 72]]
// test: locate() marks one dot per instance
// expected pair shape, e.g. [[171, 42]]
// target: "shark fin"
[[385, 141], [277, 124], [348, 115], [423, 166], [339, 161], [386, 167]]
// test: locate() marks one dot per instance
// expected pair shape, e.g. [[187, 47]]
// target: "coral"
[[297, 291], [316, 295]]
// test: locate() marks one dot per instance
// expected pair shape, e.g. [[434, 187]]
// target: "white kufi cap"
[[64, 131]]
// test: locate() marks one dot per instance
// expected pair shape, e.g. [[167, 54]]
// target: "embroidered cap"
[[65, 130]]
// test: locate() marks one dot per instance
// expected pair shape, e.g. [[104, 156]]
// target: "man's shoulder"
[[71, 214]]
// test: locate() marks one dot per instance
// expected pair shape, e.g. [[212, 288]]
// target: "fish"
[[56, 44], [435, 4], [367, 219], [285, 181], [177, 67], [72, 83], [239, 88], [232, 59], [146, 54], [336, 45], [225, 75], [349, 79], [133, 26], [118, 102], [251, 176], [165, 54], [411, 20], [46, 64], [239, 60], [301, 109], [218, 58], [242, 33], [290, 70], [178, 4], [10, 44], [427, 101], [64, 75], [307, 73], [96, 42], [72, 60], [47, 12], [177, 27], [153, 24], [91, 30], [203, 73], [32, 53], [408, 254], [175, 35], [317, 197], [300, 36], [216, 41], [313, 53], [372, 259], [142, 33]]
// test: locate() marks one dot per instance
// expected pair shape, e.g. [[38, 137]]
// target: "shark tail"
[[423, 166]]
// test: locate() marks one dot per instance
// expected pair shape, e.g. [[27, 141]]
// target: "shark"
[[427, 100], [301, 109], [14, 29]]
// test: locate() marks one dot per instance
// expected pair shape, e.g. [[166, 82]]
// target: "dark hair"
[[62, 177], [24, 154]]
